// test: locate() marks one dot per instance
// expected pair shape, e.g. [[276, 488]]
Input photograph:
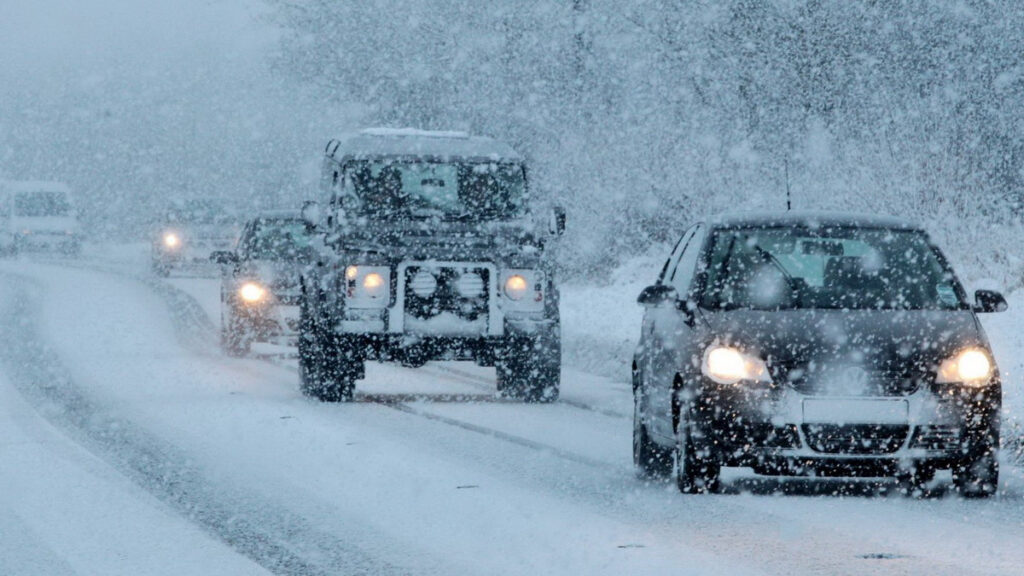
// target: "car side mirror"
[[311, 213], [556, 221], [656, 295], [989, 301], [224, 257]]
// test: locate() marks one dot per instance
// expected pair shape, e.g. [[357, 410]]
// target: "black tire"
[[326, 372], [697, 472], [977, 475], [913, 482], [161, 268], [649, 459], [235, 338], [531, 368]]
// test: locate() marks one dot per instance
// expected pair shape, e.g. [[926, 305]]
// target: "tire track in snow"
[[275, 538]]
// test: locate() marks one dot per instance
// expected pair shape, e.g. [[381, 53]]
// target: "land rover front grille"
[[431, 291]]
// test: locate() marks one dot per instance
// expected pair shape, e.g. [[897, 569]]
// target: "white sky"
[[47, 34]]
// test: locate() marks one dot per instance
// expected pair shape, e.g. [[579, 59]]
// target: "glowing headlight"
[[171, 240], [367, 286], [516, 287], [971, 366], [373, 284], [252, 292], [727, 366]]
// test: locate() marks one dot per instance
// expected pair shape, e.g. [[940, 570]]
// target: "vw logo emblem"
[[854, 378]]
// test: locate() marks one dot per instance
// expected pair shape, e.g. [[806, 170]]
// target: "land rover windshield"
[[397, 190], [852, 268]]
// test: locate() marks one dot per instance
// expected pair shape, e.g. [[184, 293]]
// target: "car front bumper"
[[777, 429]]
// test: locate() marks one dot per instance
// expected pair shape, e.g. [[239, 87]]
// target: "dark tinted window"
[[277, 240], [838, 268], [397, 190]]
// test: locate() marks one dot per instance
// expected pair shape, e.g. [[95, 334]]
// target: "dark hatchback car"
[[260, 282], [815, 344]]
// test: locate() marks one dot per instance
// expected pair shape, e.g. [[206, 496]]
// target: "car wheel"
[[234, 337], [914, 481], [326, 372], [531, 368], [696, 471], [977, 475], [649, 459]]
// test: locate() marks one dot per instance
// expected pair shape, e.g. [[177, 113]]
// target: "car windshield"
[[278, 240], [833, 268], [199, 212], [417, 189], [40, 204]]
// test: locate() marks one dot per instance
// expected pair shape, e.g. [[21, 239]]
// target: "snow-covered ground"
[[139, 448]]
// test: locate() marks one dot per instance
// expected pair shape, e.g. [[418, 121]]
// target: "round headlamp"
[[171, 240], [252, 292], [516, 287]]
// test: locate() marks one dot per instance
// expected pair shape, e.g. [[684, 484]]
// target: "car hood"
[[444, 240], [901, 341], [281, 276]]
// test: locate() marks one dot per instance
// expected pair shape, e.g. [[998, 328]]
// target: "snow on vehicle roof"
[[811, 219], [414, 132], [279, 214], [385, 142], [34, 186]]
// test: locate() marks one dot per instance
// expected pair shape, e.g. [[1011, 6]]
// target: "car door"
[[670, 334]]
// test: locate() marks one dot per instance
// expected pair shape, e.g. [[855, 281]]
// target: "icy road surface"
[[131, 445]]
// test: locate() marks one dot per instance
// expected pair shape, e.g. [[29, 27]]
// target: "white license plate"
[[855, 411]]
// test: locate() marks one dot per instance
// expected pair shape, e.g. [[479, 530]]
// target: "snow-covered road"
[[131, 445]]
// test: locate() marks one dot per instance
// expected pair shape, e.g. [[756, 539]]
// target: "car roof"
[[392, 142], [282, 214], [811, 219]]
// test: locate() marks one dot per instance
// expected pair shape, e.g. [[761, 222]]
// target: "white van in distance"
[[37, 215]]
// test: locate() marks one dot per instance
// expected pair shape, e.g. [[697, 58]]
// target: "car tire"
[[696, 471], [649, 459], [531, 368], [977, 475], [913, 482], [323, 373], [234, 338]]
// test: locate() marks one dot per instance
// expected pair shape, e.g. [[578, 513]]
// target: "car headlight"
[[367, 286], [727, 365], [171, 240], [252, 293], [971, 366], [523, 289]]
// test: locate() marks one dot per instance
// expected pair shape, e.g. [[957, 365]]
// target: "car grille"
[[868, 383], [855, 439], [431, 291], [936, 438]]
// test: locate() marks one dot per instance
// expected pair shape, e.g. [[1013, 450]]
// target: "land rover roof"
[[405, 142]]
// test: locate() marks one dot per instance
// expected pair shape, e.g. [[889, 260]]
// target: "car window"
[[682, 275], [837, 268], [277, 240]]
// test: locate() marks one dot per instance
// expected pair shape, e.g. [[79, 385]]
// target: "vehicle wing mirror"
[[556, 221], [311, 213], [224, 257], [656, 295], [989, 301]]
